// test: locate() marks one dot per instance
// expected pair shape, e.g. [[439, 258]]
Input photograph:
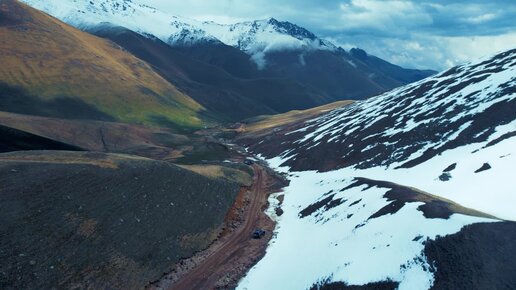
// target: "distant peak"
[[358, 53], [272, 20]]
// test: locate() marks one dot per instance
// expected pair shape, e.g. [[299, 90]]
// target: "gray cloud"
[[424, 34]]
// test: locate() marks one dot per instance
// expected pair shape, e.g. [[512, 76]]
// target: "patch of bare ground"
[[264, 125], [153, 142], [228, 259], [384, 285], [480, 256], [398, 195]]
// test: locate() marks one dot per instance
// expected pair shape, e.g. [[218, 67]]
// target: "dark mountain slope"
[[337, 75], [225, 81], [333, 74], [394, 72], [17, 140], [480, 256], [231, 59], [101, 221], [223, 94]]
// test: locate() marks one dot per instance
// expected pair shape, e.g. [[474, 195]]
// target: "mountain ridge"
[[176, 30], [273, 66], [256, 37]]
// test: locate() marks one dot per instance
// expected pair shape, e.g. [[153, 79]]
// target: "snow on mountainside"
[[254, 37], [415, 163], [459, 119], [146, 20], [262, 36]]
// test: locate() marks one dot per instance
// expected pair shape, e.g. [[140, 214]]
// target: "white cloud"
[[481, 18], [382, 15], [436, 52], [462, 49]]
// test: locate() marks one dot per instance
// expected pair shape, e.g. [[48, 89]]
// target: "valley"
[[236, 71], [141, 149], [77, 181]]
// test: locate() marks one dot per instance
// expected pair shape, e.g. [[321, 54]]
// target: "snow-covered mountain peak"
[[89, 8], [270, 34], [257, 38], [291, 29], [260, 37], [124, 7]]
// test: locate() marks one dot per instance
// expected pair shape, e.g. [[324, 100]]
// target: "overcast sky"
[[422, 34]]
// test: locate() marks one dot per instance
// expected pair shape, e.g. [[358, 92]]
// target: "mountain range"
[[261, 67]]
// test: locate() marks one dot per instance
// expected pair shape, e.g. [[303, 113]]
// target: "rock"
[[484, 167], [445, 176]]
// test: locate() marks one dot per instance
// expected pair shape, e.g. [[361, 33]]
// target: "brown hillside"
[[86, 220], [48, 63], [148, 141]]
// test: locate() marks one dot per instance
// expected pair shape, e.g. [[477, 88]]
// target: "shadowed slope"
[[15, 140], [230, 92], [480, 256]]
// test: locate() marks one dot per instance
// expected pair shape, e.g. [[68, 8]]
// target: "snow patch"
[[343, 242]]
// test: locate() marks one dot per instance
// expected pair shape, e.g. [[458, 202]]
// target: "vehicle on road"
[[258, 234]]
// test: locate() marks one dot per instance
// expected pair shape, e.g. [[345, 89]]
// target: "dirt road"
[[237, 251]]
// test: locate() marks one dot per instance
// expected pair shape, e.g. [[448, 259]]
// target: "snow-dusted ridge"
[[415, 163], [436, 108], [143, 19], [259, 37], [465, 116], [256, 38]]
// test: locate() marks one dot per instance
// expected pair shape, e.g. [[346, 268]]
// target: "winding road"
[[238, 247]]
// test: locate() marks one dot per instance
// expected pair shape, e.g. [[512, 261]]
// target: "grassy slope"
[[148, 141], [226, 96], [50, 59], [264, 124], [218, 171]]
